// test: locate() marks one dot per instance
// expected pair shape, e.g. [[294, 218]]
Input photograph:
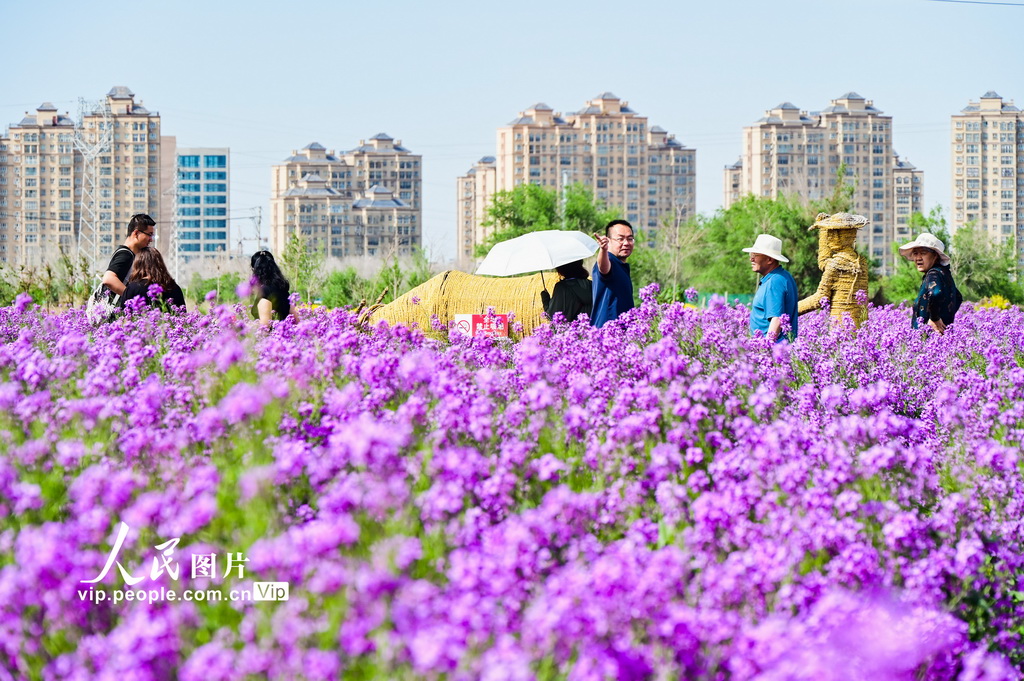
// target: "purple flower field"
[[662, 498]]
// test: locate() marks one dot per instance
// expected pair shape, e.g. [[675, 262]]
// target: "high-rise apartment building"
[[732, 181], [476, 188], [988, 169], [194, 223], [908, 185], [363, 202], [201, 202], [605, 146], [38, 188], [790, 151], [125, 178]]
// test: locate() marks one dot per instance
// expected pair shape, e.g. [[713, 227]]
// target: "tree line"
[[69, 282], [701, 252], [705, 252]]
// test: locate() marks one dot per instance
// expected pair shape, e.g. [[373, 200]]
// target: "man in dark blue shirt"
[[613, 289]]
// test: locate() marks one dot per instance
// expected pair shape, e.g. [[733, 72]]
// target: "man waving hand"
[[613, 288]]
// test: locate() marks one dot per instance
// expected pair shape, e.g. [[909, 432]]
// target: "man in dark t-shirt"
[[613, 288], [141, 231]]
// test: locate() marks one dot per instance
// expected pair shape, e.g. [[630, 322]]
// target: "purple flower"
[[21, 302]]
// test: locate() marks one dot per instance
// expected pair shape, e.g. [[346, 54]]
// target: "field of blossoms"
[[663, 498]]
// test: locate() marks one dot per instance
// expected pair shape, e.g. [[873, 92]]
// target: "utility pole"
[[175, 244], [91, 143], [257, 220], [256, 217]]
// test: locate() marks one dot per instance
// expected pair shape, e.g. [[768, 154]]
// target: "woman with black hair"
[[572, 295], [148, 268], [271, 289]]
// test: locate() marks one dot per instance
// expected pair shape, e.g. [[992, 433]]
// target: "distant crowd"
[[137, 270], [776, 306]]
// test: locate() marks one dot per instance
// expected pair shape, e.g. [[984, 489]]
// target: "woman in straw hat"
[[938, 299]]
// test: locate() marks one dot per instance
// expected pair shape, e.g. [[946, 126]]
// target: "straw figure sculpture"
[[843, 270], [453, 292]]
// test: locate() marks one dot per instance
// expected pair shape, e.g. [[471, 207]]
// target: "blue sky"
[[266, 78]]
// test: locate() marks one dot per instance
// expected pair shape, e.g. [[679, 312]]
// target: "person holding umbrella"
[[613, 288], [563, 250], [572, 295]]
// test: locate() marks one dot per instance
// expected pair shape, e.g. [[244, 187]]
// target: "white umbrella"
[[537, 251]]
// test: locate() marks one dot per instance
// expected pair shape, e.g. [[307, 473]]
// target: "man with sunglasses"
[[141, 232], [613, 289]]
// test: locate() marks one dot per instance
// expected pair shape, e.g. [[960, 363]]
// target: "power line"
[[982, 2]]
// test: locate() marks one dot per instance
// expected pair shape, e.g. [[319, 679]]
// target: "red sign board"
[[488, 326]]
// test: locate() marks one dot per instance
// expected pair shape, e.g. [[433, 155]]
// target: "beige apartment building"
[[124, 179], [363, 202], [476, 189], [792, 151], [908, 188], [606, 146], [987, 139], [38, 190], [76, 187]]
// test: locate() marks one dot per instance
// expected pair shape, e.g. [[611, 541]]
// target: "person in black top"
[[141, 232], [148, 269], [271, 289], [938, 299], [572, 295]]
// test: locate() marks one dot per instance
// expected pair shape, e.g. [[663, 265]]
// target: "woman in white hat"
[[938, 299]]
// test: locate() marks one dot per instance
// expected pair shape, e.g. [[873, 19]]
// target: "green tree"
[[78, 281], [583, 212], [420, 270], [225, 285], [841, 198], [670, 263], [983, 267], [717, 261], [531, 208], [344, 287], [8, 286], [303, 266]]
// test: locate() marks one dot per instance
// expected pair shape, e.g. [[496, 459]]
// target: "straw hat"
[[839, 221], [766, 244], [926, 240]]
